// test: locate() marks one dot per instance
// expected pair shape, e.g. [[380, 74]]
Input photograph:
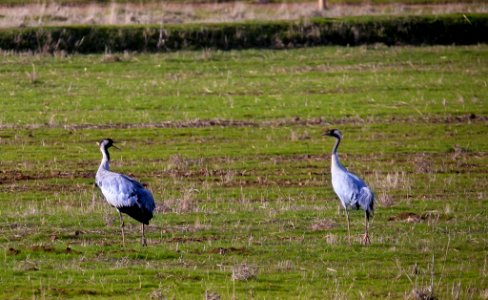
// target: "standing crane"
[[124, 193], [353, 192]]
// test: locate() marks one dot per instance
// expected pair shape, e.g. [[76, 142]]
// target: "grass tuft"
[[33, 76], [244, 272]]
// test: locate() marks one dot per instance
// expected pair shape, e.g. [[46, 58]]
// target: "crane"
[[123, 192], [352, 191]]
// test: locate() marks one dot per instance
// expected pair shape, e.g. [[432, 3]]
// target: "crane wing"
[[352, 191], [123, 191], [366, 200]]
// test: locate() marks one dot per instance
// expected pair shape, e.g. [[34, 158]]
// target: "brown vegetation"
[[42, 14]]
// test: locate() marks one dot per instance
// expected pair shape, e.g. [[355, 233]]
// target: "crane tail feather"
[[137, 213]]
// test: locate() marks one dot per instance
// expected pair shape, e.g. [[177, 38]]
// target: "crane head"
[[107, 143], [333, 132]]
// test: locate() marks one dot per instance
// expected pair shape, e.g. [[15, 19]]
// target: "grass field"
[[230, 144]]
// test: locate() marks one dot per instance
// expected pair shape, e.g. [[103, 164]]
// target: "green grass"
[[254, 188]]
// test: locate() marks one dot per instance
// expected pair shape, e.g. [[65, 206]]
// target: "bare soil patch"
[[231, 250], [12, 251], [11, 176], [186, 239], [411, 217]]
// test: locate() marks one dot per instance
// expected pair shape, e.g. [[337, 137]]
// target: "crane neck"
[[335, 162], [105, 164], [334, 150]]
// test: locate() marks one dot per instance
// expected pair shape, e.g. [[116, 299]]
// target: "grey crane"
[[124, 193], [353, 192]]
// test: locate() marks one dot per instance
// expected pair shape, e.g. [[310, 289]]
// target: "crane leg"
[[348, 227], [366, 240], [143, 238], [122, 228]]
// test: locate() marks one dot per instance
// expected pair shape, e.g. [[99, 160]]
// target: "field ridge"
[[296, 121]]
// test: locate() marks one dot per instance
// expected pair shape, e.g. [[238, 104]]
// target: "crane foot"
[[366, 240]]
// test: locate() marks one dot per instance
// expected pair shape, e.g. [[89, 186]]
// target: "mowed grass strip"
[[246, 210]]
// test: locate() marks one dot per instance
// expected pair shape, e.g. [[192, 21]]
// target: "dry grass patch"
[[324, 224], [43, 13], [211, 295], [244, 272]]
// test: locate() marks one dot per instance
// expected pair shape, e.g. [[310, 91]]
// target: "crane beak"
[[327, 133], [116, 147]]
